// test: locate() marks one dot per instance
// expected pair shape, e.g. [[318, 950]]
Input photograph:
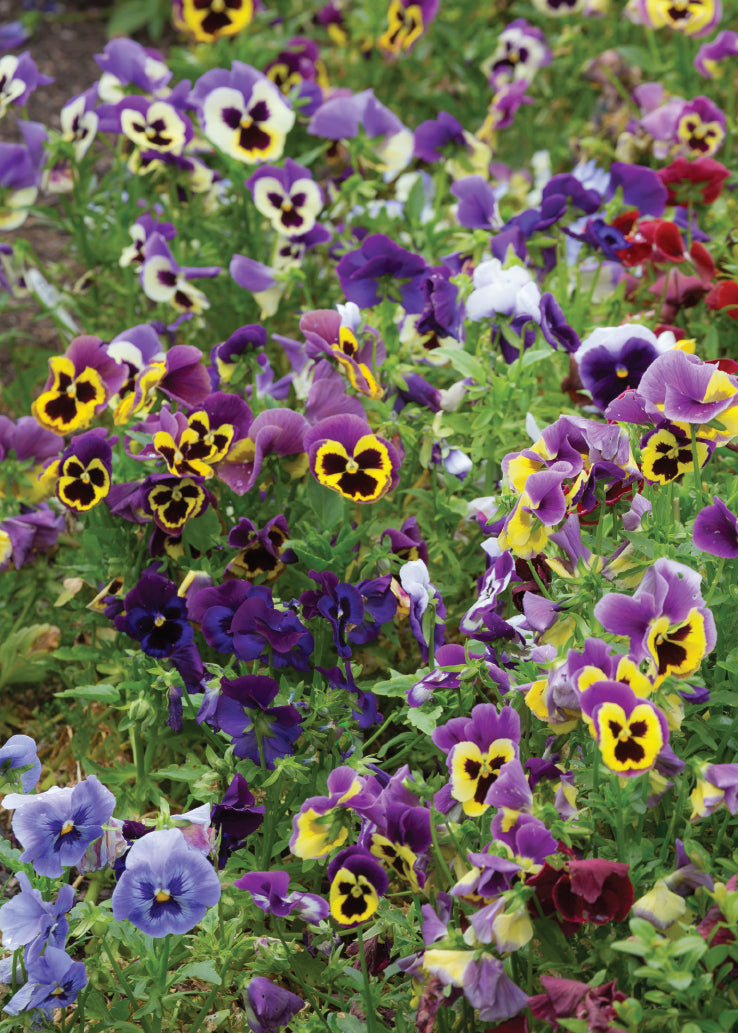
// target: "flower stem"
[[369, 1012]]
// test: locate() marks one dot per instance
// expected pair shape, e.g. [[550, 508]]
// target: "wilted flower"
[[268, 1006]]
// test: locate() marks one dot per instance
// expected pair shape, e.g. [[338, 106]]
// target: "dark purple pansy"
[[258, 731], [269, 1006], [261, 550], [235, 817], [261, 631], [477, 208], [155, 616], [439, 137], [213, 609]]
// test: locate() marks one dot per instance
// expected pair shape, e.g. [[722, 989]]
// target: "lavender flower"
[[19, 751], [268, 1006], [166, 887], [54, 981], [715, 531]]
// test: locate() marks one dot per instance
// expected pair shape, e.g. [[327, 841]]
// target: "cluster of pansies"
[[393, 535]]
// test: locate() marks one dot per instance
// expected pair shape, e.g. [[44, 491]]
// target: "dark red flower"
[[693, 181], [570, 999], [724, 296], [584, 891]]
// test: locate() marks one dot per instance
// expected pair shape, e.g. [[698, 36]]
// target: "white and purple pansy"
[[19, 77], [288, 197], [158, 125], [79, 122], [243, 113], [162, 279]]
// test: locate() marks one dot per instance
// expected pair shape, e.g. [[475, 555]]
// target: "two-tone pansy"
[[19, 77], [340, 336], [701, 128], [79, 121], [691, 17], [84, 471], [172, 501], [20, 174], [347, 457], [179, 374], [160, 126], [208, 20], [666, 619], [164, 280], [666, 454], [407, 20], [79, 385], [323, 822], [243, 113], [289, 197], [358, 882], [630, 731], [476, 749], [521, 50]]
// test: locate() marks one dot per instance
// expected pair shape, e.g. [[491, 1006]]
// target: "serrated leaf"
[[425, 720]]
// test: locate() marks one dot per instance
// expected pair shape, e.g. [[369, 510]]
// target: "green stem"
[[371, 1019], [696, 463], [443, 866], [126, 986], [307, 990], [672, 824]]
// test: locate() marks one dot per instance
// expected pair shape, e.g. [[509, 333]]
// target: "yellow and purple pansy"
[[289, 197], [78, 387], [172, 501], [347, 457], [85, 469], [407, 21], [358, 350], [630, 731], [323, 821], [476, 749], [208, 20], [157, 125], [690, 17], [358, 882]]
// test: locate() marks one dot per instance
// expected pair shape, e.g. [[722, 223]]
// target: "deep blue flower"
[[366, 273], [260, 630], [167, 886], [243, 712]]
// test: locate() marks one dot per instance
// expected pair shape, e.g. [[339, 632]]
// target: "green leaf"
[[129, 17], [425, 720], [465, 363], [199, 970], [101, 693]]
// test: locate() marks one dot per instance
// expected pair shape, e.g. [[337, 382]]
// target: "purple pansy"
[[53, 981], [268, 1006], [724, 45], [124, 62], [715, 530], [156, 616], [269, 892], [22, 535], [256, 729], [27, 920], [415, 580], [378, 267], [167, 886], [164, 280], [477, 208], [19, 77], [235, 817], [260, 630], [19, 751], [434, 137], [612, 359], [20, 174]]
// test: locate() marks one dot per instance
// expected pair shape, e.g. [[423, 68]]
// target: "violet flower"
[[56, 827], [19, 77], [167, 886], [235, 818], [243, 113], [19, 751], [20, 174], [258, 731], [27, 920], [415, 580], [156, 616], [288, 197], [715, 530], [22, 535], [54, 981], [373, 270], [260, 630], [124, 62], [163, 280], [268, 1006], [269, 892], [709, 55]]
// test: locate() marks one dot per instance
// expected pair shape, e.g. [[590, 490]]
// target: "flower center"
[[351, 466], [66, 827], [162, 896], [247, 122], [159, 620]]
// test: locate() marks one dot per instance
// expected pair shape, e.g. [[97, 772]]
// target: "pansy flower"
[[164, 280], [172, 501], [715, 530], [56, 827], [269, 1007], [79, 385], [124, 62], [85, 470], [166, 887], [19, 751], [691, 17], [701, 128], [261, 550], [288, 197], [358, 882], [155, 615], [269, 892], [477, 747], [377, 268], [341, 117], [630, 731], [79, 122], [208, 20], [323, 821], [235, 817], [258, 731], [262, 631], [521, 50], [20, 174], [159, 125], [709, 55], [400, 840], [592, 890], [19, 77], [666, 619], [299, 66], [53, 981], [179, 374], [339, 335], [685, 389], [348, 458], [243, 113], [666, 454], [407, 21]]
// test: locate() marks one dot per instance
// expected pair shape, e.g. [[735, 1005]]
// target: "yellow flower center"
[[159, 621], [351, 466], [66, 827], [162, 896]]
